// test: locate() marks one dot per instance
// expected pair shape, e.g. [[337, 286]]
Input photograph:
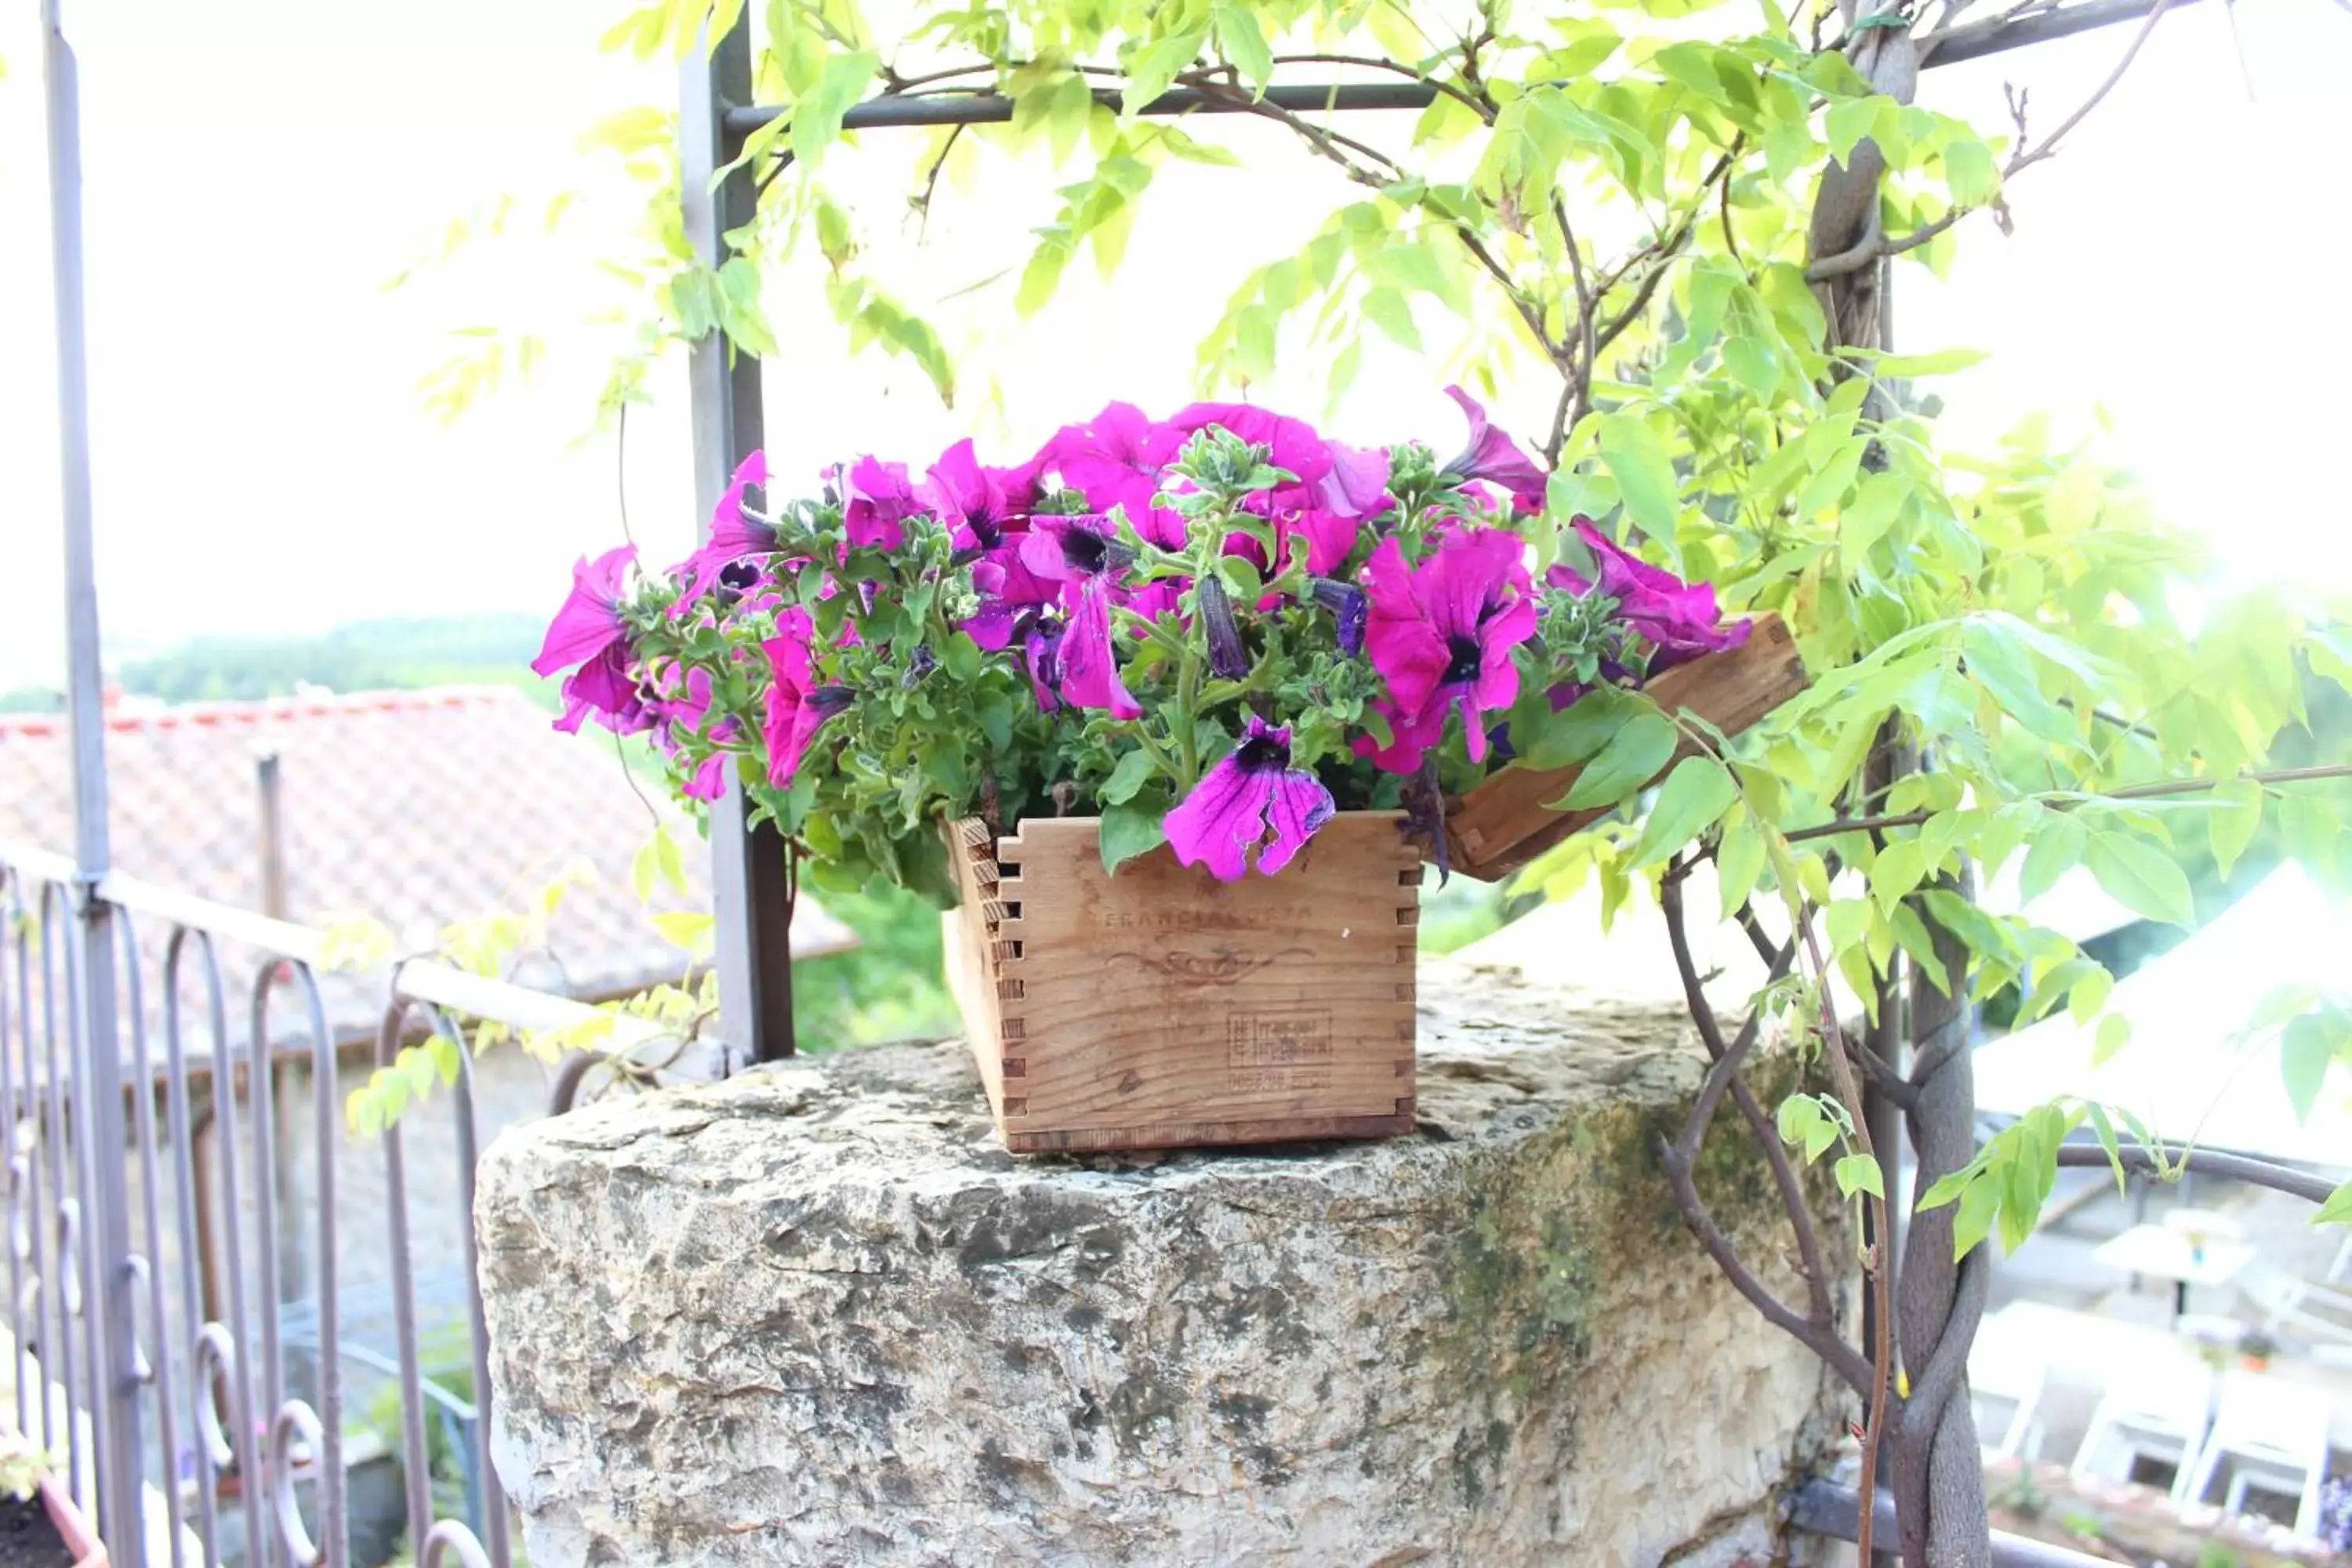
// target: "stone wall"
[[816, 1315]]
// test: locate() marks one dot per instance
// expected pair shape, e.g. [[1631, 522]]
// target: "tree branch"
[[1874, 248], [2155, 790], [1932, 1389], [2141, 1161], [1761, 1127]]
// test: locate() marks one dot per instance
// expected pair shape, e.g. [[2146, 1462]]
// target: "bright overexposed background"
[[257, 169]]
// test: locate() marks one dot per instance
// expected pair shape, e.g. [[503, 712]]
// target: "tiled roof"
[[416, 808]]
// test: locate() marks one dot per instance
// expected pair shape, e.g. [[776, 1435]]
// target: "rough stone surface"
[[816, 1315]]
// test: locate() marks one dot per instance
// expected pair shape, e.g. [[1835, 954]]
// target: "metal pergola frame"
[[716, 115]]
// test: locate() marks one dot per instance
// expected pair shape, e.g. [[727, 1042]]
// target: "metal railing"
[[158, 1368]]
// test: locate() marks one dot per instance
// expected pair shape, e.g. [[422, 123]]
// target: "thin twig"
[[2066, 801], [1823, 1306], [1665, 252], [1873, 249], [1576, 395]]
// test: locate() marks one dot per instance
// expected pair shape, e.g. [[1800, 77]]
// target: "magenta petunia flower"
[[590, 619], [1441, 635], [977, 504], [1252, 800], [1493, 455], [1116, 458], [588, 631], [734, 536], [797, 706], [1294, 444], [692, 713], [1089, 670], [1679, 620], [1356, 487], [876, 501]]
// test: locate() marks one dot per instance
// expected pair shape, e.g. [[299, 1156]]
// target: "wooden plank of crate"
[[1505, 821]]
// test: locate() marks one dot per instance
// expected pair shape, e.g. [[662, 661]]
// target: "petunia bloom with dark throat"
[[1254, 800], [588, 632], [1441, 635]]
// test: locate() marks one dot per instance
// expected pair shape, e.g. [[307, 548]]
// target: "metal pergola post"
[[749, 893], [96, 1108]]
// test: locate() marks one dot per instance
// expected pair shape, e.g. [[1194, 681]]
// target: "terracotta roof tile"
[[414, 807]]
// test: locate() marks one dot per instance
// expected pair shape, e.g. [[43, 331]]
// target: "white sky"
[[256, 169]]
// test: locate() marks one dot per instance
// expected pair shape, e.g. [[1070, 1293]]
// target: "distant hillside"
[[363, 656]]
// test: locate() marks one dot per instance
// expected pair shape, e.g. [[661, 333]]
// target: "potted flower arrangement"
[[2255, 1348], [1167, 715]]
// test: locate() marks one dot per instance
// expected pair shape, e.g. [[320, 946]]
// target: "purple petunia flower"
[[877, 502], [1253, 799], [1441, 635], [1350, 608], [734, 536], [797, 706], [1679, 620], [1068, 549], [1228, 660], [1492, 455], [977, 504], [587, 631], [1116, 458]]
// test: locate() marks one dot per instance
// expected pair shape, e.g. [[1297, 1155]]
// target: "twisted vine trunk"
[[1930, 1453], [1937, 1470]]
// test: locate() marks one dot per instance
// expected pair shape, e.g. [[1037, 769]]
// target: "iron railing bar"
[[183, 1126], [244, 1441], [414, 1450], [56, 1356], [261, 1100], [15, 943], [325, 1133], [167, 1439], [418, 979], [490, 1494], [1826, 1509]]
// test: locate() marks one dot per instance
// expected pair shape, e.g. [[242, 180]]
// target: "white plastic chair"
[[2286, 1302], [2157, 1412], [2276, 1435], [2012, 1375], [2211, 1224]]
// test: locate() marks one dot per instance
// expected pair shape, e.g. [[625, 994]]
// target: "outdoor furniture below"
[[2166, 1253], [2297, 1306], [2006, 1380], [2274, 1434], [2157, 1413]]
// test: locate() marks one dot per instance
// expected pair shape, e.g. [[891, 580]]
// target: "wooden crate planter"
[[1507, 821], [1160, 1007]]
